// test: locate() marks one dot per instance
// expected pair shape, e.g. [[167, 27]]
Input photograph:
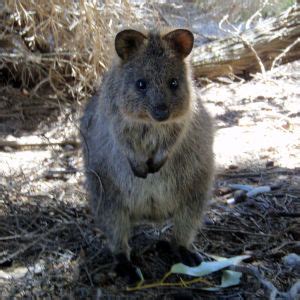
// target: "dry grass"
[[60, 45]]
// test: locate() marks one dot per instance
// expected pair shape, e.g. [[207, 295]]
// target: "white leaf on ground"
[[206, 268], [229, 278]]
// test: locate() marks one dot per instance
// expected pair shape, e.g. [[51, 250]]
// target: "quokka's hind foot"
[[189, 258], [126, 269], [178, 254]]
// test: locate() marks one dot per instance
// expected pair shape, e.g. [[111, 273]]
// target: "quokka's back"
[[147, 140]]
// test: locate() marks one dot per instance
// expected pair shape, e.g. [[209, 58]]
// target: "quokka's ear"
[[181, 41], [127, 42]]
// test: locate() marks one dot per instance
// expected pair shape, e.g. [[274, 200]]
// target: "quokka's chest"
[[154, 199], [151, 137], [142, 138]]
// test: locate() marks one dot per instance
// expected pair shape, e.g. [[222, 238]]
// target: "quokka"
[[147, 140]]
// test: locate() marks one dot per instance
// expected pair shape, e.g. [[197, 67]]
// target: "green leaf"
[[206, 268]]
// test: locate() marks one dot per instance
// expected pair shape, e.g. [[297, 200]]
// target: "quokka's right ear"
[[181, 41], [127, 42]]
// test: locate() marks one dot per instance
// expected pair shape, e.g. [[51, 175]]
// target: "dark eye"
[[141, 84], [173, 84]]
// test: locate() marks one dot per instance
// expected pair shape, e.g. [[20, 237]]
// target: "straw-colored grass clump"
[[58, 46]]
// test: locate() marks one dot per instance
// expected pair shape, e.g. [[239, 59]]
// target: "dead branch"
[[262, 173], [272, 40], [267, 285], [38, 144]]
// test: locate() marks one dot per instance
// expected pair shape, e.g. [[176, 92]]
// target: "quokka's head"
[[154, 81]]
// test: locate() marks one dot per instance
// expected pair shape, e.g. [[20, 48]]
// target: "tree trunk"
[[243, 54]]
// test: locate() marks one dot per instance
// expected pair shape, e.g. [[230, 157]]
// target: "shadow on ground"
[[49, 246]]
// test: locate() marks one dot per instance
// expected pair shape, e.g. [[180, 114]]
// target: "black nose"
[[160, 112]]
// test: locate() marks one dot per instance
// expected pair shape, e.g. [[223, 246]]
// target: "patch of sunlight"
[[24, 161]]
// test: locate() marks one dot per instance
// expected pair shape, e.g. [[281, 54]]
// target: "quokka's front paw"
[[143, 169], [151, 165], [155, 166], [139, 169]]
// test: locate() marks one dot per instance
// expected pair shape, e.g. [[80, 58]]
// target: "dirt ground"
[[49, 247]]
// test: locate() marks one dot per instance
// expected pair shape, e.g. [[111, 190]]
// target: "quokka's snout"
[[147, 108], [160, 112]]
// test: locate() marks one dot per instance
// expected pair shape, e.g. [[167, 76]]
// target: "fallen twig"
[[162, 283], [267, 285], [18, 145], [261, 173]]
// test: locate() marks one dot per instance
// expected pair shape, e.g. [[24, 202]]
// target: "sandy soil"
[[44, 220]]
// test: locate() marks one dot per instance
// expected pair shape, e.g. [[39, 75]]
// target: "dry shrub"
[[59, 46]]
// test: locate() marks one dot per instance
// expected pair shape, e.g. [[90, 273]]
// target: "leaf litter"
[[49, 245]]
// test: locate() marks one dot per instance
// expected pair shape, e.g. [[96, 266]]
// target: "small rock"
[[292, 260], [25, 92], [285, 124]]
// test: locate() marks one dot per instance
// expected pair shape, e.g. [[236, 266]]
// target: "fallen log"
[[276, 40]]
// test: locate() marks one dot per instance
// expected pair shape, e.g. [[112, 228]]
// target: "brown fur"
[[140, 169]]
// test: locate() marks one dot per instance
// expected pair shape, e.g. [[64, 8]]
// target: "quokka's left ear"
[[127, 43], [181, 41]]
